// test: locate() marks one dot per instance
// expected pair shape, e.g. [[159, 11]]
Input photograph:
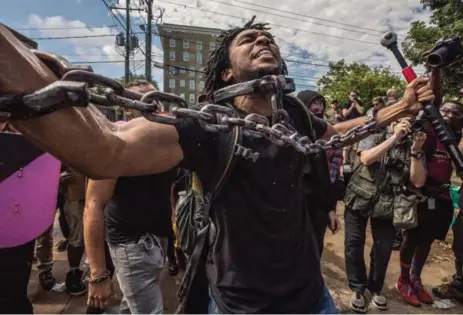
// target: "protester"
[[434, 215], [136, 213], [334, 115], [74, 183], [391, 96], [44, 244], [372, 194], [322, 217]]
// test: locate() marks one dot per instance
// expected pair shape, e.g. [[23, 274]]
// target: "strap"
[[226, 162]]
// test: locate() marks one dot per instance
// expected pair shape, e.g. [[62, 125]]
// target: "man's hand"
[[418, 140], [334, 224], [402, 128], [99, 294], [416, 93]]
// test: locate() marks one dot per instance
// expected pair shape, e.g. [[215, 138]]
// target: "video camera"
[[447, 52]]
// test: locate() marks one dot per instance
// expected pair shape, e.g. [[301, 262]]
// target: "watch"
[[419, 155]]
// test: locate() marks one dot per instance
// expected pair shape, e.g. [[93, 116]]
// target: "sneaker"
[[405, 290], [358, 303], [379, 301], [448, 291], [74, 284], [61, 246], [421, 292], [173, 269], [47, 281]]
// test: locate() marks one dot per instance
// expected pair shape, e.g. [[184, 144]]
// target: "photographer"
[[436, 213], [374, 193]]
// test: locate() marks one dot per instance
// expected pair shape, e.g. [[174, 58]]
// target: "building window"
[[192, 98], [172, 55], [182, 70], [186, 44], [186, 56], [172, 43], [182, 95], [199, 45], [192, 84], [182, 83], [172, 70], [172, 83], [212, 45], [199, 58], [192, 71], [201, 85]]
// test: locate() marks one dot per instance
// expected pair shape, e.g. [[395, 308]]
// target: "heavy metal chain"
[[212, 117]]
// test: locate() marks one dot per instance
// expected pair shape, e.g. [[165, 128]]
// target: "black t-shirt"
[[139, 205], [264, 258], [354, 113]]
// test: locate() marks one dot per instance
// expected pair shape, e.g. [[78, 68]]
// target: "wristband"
[[99, 279]]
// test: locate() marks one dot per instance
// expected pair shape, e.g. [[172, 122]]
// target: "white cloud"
[[330, 37]]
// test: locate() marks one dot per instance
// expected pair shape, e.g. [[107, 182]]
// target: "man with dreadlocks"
[[264, 258]]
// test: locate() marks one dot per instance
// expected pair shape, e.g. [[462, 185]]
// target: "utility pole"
[[149, 35], [127, 41]]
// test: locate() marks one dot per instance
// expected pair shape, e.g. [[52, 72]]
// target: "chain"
[[212, 117]]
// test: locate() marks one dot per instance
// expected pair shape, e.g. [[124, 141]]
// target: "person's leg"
[[354, 245], [44, 245], [326, 305], [64, 226], [15, 270], [74, 215], [457, 248], [383, 233], [407, 251], [138, 268]]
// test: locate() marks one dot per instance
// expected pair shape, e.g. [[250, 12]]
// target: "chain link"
[[212, 117]]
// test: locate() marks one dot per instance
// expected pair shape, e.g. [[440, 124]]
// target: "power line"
[[277, 25], [288, 17], [312, 17], [62, 28]]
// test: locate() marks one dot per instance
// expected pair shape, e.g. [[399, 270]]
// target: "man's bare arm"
[[83, 137], [99, 193]]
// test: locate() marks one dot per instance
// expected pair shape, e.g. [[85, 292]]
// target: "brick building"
[[186, 49]]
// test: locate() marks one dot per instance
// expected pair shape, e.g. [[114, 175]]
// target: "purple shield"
[[28, 190]]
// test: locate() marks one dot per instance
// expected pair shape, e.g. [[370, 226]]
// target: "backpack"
[[193, 235]]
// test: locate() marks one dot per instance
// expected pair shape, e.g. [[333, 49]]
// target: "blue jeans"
[[326, 305], [138, 269]]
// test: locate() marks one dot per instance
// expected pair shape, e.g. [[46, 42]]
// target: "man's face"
[[253, 54], [451, 113], [352, 96], [133, 113], [334, 107], [316, 107]]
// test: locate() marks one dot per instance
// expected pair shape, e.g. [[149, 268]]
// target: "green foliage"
[[446, 21], [343, 77]]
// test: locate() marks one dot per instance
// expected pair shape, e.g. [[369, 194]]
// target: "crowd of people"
[[265, 234]]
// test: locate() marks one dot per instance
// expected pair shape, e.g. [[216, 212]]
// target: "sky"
[[310, 33]]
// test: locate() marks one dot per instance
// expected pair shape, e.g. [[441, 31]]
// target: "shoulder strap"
[[292, 100]]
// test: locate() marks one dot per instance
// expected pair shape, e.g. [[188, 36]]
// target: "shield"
[[29, 179]]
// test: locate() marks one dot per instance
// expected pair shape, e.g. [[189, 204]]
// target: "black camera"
[[446, 52]]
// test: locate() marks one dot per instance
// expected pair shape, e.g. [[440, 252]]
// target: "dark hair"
[[219, 59], [334, 102], [137, 83]]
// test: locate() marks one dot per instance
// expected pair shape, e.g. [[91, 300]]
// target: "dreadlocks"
[[219, 59]]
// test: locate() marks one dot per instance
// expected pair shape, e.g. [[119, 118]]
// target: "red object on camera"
[[409, 74]]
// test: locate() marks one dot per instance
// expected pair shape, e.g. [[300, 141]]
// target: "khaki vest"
[[376, 190]]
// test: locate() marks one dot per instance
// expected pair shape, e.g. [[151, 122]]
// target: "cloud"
[[348, 30]]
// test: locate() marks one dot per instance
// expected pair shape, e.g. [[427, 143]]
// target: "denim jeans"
[[138, 269], [326, 305]]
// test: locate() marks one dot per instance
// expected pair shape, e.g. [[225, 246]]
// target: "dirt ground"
[[438, 268]]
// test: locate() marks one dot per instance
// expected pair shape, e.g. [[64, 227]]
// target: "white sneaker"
[[379, 301]]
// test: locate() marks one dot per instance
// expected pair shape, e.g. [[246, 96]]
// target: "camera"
[[446, 53]]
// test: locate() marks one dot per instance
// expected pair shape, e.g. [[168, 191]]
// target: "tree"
[[134, 77], [446, 21], [342, 78]]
